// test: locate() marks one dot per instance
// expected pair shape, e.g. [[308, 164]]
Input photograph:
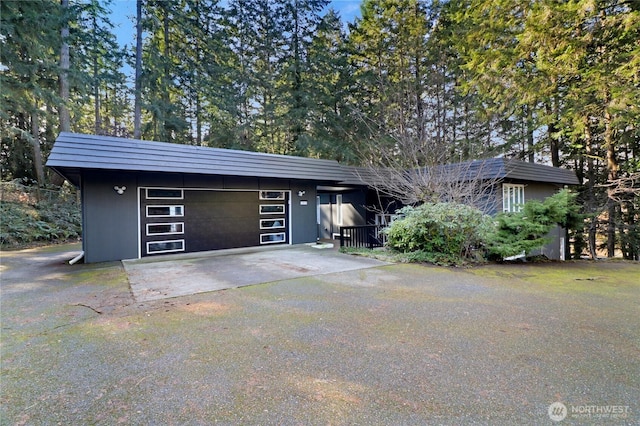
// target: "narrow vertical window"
[[339, 207], [512, 198]]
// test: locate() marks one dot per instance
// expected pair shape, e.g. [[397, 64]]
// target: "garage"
[[189, 220], [144, 199]]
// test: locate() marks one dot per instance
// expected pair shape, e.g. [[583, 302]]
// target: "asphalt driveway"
[[387, 345]]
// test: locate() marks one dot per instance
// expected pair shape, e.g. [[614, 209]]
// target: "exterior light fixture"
[[301, 193], [120, 189]]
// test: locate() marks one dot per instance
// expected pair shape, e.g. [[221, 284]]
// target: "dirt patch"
[[206, 308]]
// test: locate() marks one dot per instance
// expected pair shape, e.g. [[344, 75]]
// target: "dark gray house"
[[142, 198]]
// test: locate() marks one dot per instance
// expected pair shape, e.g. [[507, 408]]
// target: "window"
[[386, 219], [272, 195], [167, 194], [272, 238], [157, 247], [165, 211], [339, 208], [271, 223], [165, 228], [318, 214], [271, 208], [512, 198]]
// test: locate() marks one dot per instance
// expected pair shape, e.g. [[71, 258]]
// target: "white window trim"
[[281, 197], [181, 197], [512, 203], [164, 251], [281, 219], [271, 205], [284, 238], [166, 215], [150, 234]]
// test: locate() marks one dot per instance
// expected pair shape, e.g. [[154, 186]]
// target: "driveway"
[[386, 345], [164, 277]]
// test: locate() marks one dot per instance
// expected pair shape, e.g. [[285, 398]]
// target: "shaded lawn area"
[[399, 344]]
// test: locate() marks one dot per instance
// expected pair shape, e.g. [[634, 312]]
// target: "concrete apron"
[[162, 277]]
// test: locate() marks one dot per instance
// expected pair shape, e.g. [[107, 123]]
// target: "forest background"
[[540, 80]]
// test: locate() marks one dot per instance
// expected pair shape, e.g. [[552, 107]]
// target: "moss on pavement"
[[399, 344]]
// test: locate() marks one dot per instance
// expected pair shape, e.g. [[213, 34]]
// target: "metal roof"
[[490, 169], [74, 152], [504, 168]]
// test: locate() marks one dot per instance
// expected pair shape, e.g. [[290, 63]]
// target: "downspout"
[[77, 258]]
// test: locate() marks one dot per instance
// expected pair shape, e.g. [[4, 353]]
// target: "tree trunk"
[[167, 135], [530, 139], [590, 183], [592, 237], [35, 144], [296, 126], [612, 175], [137, 109], [65, 119], [554, 143], [96, 83], [466, 150]]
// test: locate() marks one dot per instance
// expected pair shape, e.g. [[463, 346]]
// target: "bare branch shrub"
[[623, 188], [414, 171]]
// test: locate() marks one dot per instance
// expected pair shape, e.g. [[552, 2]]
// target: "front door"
[[328, 213]]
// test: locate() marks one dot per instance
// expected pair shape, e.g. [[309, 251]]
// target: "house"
[[142, 198]]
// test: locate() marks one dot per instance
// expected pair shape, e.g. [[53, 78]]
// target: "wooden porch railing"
[[367, 236]]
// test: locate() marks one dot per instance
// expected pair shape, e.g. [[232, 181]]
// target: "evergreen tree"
[[137, 105], [100, 87], [571, 67], [162, 96], [28, 84], [330, 94], [301, 21]]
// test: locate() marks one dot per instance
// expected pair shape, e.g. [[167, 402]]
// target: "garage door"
[[186, 220]]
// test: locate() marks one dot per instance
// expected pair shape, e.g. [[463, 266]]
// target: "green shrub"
[[448, 230], [527, 230]]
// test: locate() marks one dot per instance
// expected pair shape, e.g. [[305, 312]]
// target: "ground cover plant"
[[32, 216]]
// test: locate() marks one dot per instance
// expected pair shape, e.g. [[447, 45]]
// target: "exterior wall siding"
[[303, 213], [111, 228], [353, 211], [540, 191], [353, 208], [110, 220]]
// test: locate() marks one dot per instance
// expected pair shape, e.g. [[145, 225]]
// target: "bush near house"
[[439, 232], [525, 231], [452, 233], [32, 216]]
